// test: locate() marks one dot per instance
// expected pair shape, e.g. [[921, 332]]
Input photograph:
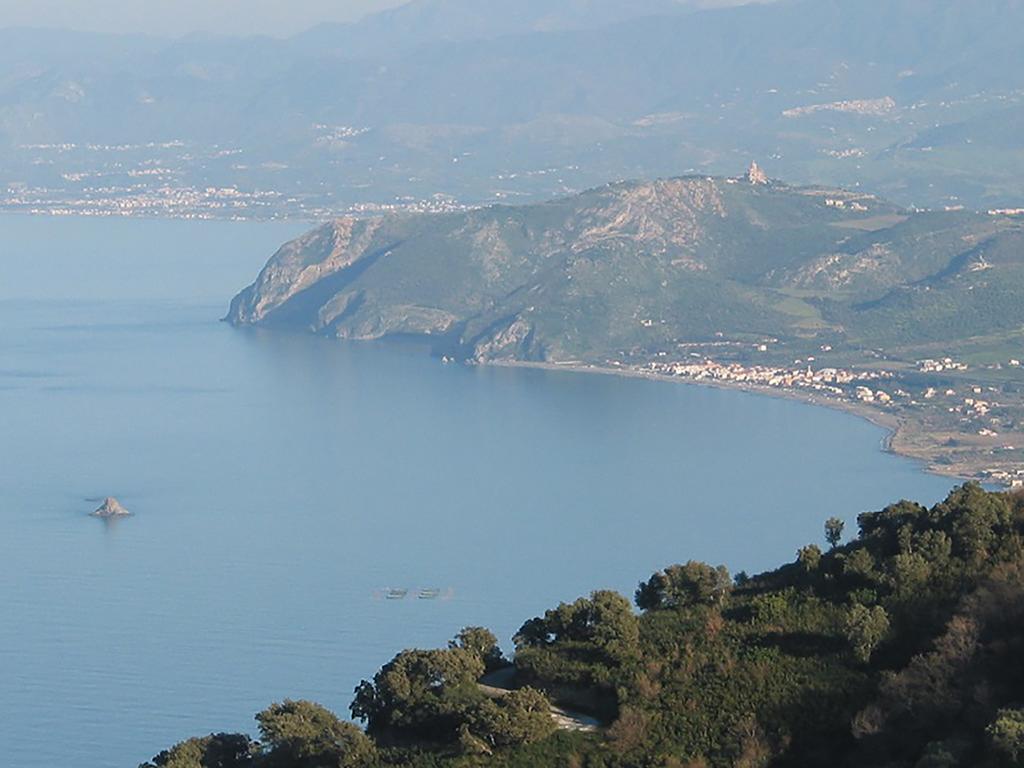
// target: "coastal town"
[[978, 428], [174, 201], [188, 180]]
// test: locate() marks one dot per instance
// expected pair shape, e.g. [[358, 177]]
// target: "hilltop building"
[[755, 175]]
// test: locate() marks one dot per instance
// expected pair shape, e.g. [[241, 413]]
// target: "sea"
[[304, 508]]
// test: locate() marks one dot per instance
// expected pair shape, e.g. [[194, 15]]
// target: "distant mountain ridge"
[[531, 100], [426, 22]]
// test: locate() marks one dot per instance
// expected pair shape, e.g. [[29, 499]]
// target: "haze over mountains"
[[473, 102], [429, 22]]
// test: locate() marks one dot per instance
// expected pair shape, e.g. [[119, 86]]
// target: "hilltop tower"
[[755, 175]]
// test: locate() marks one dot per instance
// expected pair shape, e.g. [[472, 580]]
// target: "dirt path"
[[499, 684]]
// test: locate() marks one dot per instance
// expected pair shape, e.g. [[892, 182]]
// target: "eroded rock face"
[[512, 342], [111, 507], [303, 262]]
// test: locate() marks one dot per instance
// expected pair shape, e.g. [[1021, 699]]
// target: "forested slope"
[[902, 647]]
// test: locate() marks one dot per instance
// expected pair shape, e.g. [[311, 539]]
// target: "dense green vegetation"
[[631, 270], [901, 648]]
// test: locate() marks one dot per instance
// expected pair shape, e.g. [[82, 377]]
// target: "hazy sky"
[[173, 18], [179, 17]]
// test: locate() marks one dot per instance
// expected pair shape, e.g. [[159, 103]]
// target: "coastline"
[[894, 426]]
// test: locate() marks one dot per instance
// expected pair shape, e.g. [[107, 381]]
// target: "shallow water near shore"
[[280, 483]]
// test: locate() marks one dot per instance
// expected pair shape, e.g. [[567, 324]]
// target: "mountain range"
[[430, 22], [918, 100]]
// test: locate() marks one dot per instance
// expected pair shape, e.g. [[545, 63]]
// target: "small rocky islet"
[[110, 508]]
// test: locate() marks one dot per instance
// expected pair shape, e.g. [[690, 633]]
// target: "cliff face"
[[302, 263], [624, 267]]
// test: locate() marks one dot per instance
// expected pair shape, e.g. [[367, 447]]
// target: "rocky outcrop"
[[511, 341], [302, 263], [111, 507]]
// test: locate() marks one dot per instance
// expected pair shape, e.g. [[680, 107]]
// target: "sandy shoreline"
[[891, 423]]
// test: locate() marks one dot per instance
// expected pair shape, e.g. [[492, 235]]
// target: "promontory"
[[911, 317]]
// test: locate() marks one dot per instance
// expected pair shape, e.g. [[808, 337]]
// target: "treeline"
[[903, 648]]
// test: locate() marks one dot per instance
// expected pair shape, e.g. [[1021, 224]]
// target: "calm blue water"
[[279, 481]]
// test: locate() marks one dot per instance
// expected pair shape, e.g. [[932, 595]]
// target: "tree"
[[521, 717], [809, 557], [935, 547], [220, 750], [424, 692], [605, 620], [834, 531], [886, 524], [937, 755], [860, 565], [1007, 736], [865, 628], [613, 627], [910, 572], [679, 586], [483, 643], [771, 607], [978, 520], [302, 734]]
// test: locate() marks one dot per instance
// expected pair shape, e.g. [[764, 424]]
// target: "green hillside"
[[645, 266], [901, 648], [912, 318]]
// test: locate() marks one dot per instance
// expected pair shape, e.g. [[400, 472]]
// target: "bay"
[[280, 482]]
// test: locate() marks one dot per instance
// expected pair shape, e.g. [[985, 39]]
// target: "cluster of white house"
[[937, 366], [828, 380]]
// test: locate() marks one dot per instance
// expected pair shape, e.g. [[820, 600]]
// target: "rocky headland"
[[838, 296]]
